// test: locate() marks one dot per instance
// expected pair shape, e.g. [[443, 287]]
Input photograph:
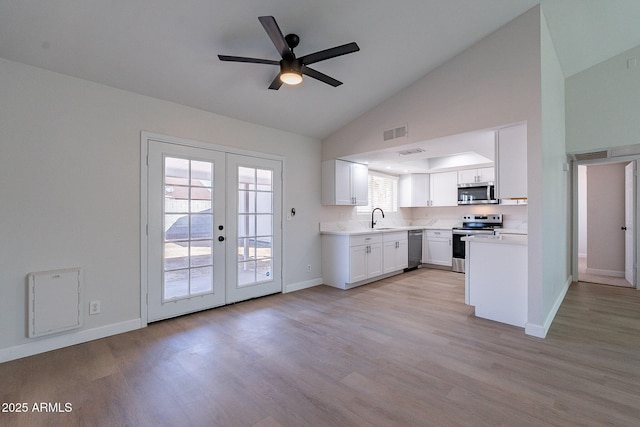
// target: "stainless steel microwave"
[[477, 193]]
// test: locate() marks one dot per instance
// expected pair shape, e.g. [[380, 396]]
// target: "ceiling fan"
[[292, 68]]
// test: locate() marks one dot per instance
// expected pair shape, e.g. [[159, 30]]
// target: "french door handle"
[[623, 228], [221, 239]]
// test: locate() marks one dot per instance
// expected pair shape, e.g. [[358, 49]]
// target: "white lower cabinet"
[[353, 260], [365, 261], [396, 251], [436, 247]]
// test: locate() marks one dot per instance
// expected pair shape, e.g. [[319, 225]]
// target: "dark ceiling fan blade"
[[329, 53], [271, 27], [320, 76], [276, 83], [251, 60]]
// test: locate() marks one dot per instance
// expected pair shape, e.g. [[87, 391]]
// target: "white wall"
[[70, 191], [496, 82], [603, 105], [493, 83], [550, 182]]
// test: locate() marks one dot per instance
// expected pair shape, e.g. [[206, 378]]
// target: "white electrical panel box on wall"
[[54, 301]]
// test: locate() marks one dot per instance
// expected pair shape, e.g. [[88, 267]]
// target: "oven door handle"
[[471, 232]]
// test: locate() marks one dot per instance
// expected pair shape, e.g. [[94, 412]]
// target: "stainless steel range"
[[471, 224]]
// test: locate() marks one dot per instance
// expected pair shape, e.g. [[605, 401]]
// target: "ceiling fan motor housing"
[[292, 40]]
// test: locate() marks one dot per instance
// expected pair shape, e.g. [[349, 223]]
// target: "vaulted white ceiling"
[[168, 49]]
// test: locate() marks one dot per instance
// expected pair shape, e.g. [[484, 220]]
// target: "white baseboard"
[[540, 331], [66, 340], [302, 285], [601, 272]]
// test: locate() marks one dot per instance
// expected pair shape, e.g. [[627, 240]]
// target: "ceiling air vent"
[[399, 132], [594, 155], [410, 152]]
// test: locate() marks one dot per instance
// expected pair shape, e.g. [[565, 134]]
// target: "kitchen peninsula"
[[496, 277]]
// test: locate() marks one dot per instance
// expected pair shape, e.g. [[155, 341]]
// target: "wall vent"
[[594, 155], [410, 151], [399, 132]]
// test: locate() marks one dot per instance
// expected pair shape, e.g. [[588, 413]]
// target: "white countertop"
[[371, 230], [505, 239]]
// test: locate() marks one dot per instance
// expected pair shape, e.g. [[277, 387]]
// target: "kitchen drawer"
[[438, 233], [395, 236], [365, 239]]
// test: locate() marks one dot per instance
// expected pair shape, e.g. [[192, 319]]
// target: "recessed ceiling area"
[[470, 149]]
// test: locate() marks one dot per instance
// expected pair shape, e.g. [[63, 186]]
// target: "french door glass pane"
[[176, 198], [201, 253], [246, 273], [264, 178], [264, 202], [246, 201], [246, 249], [201, 280], [201, 174], [188, 228], [255, 225], [176, 284], [264, 223], [246, 178], [176, 255]]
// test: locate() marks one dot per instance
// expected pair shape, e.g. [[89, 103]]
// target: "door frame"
[[145, 137], [575, 207]]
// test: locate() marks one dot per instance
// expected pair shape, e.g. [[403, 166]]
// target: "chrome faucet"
[[373, 223]]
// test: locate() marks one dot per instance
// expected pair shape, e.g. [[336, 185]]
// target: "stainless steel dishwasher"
[[415, 249]]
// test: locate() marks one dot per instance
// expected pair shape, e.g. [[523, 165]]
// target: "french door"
[[254, 217], [214, 228]]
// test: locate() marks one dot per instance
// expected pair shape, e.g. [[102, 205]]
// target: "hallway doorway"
[[606, 226]]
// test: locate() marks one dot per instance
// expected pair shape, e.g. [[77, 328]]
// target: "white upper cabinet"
[[360, 183], [444, 189], [511, 162], [344, 183], [423, 190], [413, 190], [471, 176], [486, 174]]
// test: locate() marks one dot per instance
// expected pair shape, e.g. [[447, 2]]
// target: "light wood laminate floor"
[[404, 351]]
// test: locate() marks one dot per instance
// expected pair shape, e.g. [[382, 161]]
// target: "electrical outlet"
[[308, 268], [94, 308]]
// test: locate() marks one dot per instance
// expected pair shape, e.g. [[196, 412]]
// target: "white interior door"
[[186, 207], [629, 233], [254, 218]]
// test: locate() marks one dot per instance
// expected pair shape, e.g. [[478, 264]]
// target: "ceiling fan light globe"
[[291, 78]]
